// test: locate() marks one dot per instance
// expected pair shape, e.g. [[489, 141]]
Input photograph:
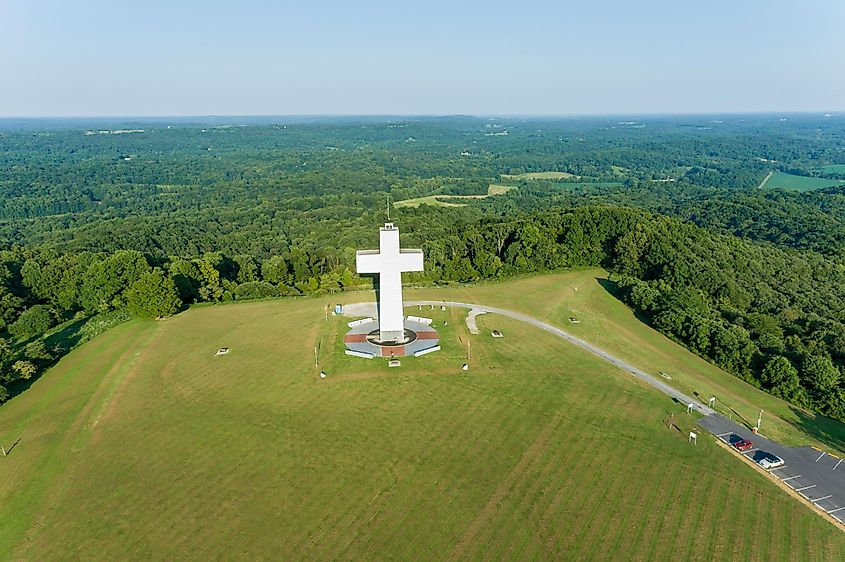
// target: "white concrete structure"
[[389, 262]]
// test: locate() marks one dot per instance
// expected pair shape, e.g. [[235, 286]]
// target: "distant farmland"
[[540, 176], [452, 200], [781, 180], [838, 169]]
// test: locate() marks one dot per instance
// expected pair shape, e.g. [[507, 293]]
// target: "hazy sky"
[[185, 57]]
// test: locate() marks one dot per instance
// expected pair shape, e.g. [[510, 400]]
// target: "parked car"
[[743, 445], [770, 461]]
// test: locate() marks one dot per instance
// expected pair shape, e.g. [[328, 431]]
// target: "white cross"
[[389, 262]]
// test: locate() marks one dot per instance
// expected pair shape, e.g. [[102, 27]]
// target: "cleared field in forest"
[[833, 169], [453, 200], [781, 180], [540, 176], [144, 444]]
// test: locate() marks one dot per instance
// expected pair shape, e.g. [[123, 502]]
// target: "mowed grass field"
[[144, 445], [453, 200], [540, 176], [833, 169], [781, 180], [608, 323]]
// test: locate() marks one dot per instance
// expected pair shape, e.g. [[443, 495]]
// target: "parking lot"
[[816, 475]]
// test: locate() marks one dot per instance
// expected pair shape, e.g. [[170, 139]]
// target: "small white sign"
[[359, 322], [426, 351], [362, 354], [419, 319]]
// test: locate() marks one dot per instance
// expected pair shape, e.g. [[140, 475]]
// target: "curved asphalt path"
[[600, 353], [643, 376]]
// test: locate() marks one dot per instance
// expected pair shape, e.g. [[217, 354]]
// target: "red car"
[[743, 445]]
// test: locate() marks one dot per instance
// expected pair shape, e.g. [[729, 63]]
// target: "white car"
[[771, 461]]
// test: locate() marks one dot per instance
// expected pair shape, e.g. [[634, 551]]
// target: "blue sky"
[[98, 58]]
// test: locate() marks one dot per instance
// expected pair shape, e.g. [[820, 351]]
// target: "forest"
[[98, 224]]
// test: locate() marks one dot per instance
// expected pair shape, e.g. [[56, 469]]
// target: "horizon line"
[[830, 113]]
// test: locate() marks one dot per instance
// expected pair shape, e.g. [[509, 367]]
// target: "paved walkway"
[[472, 325], [643, 376], [364, 309]]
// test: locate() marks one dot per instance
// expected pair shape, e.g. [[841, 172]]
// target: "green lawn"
[[608, 323], [780, 180], [142, 444], [540, 176], [833, 169], [453, 200]]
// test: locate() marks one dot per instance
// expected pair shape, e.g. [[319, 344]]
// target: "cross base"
[[391, 337]]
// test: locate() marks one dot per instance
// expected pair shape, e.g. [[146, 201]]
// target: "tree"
[[24, 369], [107, 280], [255, 290], [187, 277], [782, 378], [210, 277], [247, 268], [820, 373], [275, 270], [488, 265], [33, 322], [37, 350], [10, 305], [5, 350], [154, 295]]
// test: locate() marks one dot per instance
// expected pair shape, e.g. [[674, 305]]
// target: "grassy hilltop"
[[143, 444]]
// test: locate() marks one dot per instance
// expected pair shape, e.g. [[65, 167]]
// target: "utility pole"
[[759, 420]]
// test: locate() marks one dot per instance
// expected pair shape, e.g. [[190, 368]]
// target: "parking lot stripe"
[[835, 510], [805, 488], [820, 499], [790, 478], [837, 464], [723, 434], [750, 450], [777, 468], [820, 456]]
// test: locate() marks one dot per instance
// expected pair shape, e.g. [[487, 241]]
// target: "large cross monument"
[[389, 261]]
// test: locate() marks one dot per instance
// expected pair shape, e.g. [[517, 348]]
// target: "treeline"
[[772, 317], [40, 289], [807, 221]]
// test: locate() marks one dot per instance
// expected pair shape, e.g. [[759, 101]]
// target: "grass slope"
[[611, 325], [143, 444]]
